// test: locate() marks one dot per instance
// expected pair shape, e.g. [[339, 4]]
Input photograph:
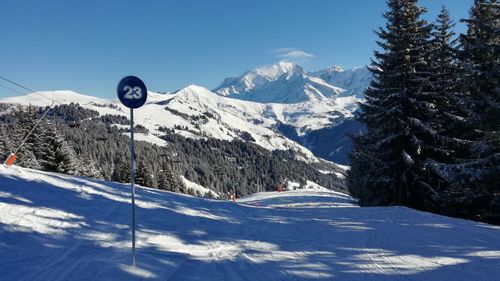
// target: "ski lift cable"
[[26, 88], [23, 94], [30, 132]]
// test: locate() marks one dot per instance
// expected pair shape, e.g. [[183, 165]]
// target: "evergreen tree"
[[480, 62], [88, 167], [121, 171], [5, 143], [27, 154], [144, 175], [451, 122], [389, 162], [443, 58], [167, 179], [58, 156]]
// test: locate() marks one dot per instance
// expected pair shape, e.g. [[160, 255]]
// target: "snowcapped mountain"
[[278, 107], [283, 82], [354, 81], [314, 109]]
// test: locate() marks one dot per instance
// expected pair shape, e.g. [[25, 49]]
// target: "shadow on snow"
[[181, 237]]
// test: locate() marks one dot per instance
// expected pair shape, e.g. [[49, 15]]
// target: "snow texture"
[[57, 227]]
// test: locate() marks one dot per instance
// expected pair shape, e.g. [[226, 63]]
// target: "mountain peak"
[[334, 68], [282, 82], [274, 71], [195, 88]]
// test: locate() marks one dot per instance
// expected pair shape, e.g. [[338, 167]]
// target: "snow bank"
[[198, 188]]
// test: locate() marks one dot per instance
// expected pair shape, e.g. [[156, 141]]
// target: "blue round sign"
[[132, 92]]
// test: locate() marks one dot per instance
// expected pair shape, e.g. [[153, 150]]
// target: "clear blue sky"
[[88, 45]]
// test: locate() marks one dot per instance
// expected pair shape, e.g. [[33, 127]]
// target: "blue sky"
[[87, 46]]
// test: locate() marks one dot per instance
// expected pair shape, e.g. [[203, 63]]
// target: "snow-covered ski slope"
[[57, 227]]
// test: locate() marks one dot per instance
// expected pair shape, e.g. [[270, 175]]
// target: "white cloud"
[[292, 53]]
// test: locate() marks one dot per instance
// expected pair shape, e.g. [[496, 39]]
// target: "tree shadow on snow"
[[79, 229]]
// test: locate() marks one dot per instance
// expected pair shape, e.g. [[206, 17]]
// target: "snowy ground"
[[55, 227]]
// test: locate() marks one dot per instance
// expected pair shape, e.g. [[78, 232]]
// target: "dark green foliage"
[[5, 142], [71, 113], [432, 116], [167, 180], [121, 171], [102, 150], [398, 113], [480, 62], [144, 175], [57, 155]]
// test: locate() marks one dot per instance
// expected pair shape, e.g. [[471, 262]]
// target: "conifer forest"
[[432, 114]]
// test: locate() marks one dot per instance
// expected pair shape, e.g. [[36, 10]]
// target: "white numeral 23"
[[132, 93]]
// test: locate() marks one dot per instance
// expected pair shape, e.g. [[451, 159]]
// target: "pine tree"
[[57, 155], [5, 143], [88, 167], [27, 154], [451, 111], [144, 175], [389, 162], [443, 58], [480, 62], [167, 180], [121, 171]]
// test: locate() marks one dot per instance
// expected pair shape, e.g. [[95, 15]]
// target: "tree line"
[[432, 114], [100, 149]]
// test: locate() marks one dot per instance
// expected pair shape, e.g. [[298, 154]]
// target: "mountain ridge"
[[195, 111], [283, 82]]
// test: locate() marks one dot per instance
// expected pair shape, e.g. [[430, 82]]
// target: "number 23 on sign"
[[132, 92]]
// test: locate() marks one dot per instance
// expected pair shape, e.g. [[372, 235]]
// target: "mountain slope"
[[55, 227], [193, 112], [308, 108]]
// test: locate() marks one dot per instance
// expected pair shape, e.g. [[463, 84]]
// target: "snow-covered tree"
[[121, 170], [443, 58], [167, 180], [389, 162], [57, 155], [30, 149], [5, 143], [480, 63], [88, 167], [144, 175]]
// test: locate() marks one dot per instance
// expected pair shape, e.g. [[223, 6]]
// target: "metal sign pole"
[[132, 180], [133, 94]]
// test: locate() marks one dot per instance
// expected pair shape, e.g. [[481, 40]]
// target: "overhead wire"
[[28, 89], [24, 94]]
